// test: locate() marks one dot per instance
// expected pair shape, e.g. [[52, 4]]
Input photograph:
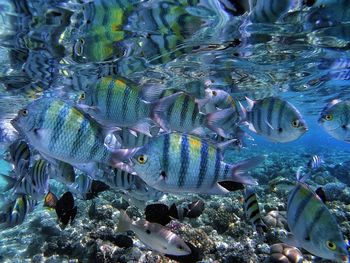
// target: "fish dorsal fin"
[[321, 194]]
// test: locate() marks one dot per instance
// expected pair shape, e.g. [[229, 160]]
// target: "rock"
[[283, 253], [275, 219]]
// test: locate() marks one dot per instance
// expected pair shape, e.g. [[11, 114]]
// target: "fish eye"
[[295, 123], [180, 247], [23, 112], [214, 93], [329, 117], [78, 47], [331, 245], [82, 96], [142, 159]]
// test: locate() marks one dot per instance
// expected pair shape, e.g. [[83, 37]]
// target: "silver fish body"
[[182, 163], [335, 119], [154, 235], [314, 228], [60, 131], [275, 119]]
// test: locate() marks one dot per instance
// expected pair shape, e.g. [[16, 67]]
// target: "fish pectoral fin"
[[217, 189], [290, 239], [42, 133], [251, 127]]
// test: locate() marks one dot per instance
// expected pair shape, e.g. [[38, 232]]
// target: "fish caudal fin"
[[239, 171], [124, 222], [214, 121], [9, 182], [160, 108]]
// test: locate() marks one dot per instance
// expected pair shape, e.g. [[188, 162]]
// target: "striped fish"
[[60, 131], [313, 227], [315, 162], [252, 210], [20, 157], [102, 30], [168, 25], [275, 119], [131, 139], [18, 212], [62, 172], [86, 188], [182, 163], [335, 119], [36, 183], [117, 101]]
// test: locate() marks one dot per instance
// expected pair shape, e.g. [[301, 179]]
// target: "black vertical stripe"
[[258, 121], [184, 159], [166, 145], [109, 98], [58, 126], [184, 110], [195, 113], [79, 138], [300, 208], [203, 162], [269, 116], [125, 102], [217, 167], [318, 216], [280, 114]]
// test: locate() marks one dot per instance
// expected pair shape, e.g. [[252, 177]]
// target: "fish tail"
[[160, 108], [124, 222], [239, 170], [214, 120], [9, 182]]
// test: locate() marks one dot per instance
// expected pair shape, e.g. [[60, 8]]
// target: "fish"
[[315, 162], [102, 31], [50, 200], [154, 235], [61, 172], [275, 119], [252, 211], [131, 139], [20, 156], [86, 188], [117, 101], [17, 213], [335, 119], [60, 131], [182, 163], [33, 184], [218, 99], [162, 214], [313, 227], [65, 209]]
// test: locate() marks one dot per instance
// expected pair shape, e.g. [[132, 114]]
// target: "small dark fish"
[[158, 213], [65, 209], [321, 194], [50, 200], [96, 188], [195, 255], [196, 208], [162, 214], [252, 211]]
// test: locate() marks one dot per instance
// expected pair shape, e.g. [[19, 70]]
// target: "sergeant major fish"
[[154, 235], [313, 227], [335, 119], [20, 157], [275, 119], [252, 210], [182, 163], [60, 131]]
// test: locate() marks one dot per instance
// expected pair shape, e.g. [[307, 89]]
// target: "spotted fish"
[[182, 163]]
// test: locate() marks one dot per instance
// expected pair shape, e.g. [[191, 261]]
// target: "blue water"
[[294, 50]]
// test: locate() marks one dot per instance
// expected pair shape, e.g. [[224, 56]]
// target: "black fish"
[[195, 255], [321, 194], [162, 214], [65, 209], [96, 188], [196, 208], [157, 213]]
